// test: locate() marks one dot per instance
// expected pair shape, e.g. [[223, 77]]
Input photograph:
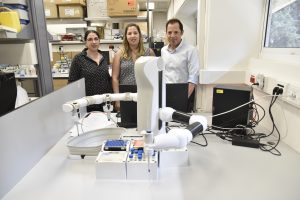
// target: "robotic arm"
[[178, 137], [149, 113], [98, 99]]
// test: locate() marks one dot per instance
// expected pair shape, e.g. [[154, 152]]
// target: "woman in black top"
[[91, 65]]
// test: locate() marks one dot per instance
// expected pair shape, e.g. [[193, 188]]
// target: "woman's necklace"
[[134, 54]]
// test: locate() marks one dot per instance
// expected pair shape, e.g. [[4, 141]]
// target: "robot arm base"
[[175, 138]]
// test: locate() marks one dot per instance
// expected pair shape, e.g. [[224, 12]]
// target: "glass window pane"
[[283, 28]]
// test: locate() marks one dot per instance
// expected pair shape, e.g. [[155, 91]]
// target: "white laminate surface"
[[219, 171]]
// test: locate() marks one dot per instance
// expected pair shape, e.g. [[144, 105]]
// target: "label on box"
[[69, 12], [47, 12], [122, 8]]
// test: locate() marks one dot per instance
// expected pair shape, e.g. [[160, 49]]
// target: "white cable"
[[241, 128], [223, 113]]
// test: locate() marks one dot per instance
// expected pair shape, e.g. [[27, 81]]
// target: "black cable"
[[267, 147], [264, 113], [203, 145]]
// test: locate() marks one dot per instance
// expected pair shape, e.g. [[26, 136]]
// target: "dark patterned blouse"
[[97, 78], [127, 76]]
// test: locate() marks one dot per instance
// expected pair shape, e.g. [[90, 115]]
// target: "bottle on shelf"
[[111, 53]]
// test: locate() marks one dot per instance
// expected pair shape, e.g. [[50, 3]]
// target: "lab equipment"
[[149, 117], [90, 143], [8, 92], [226, 98]]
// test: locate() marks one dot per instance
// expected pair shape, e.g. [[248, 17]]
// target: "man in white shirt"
[[181, 60]]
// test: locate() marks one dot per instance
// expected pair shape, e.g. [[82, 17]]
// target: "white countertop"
[[219, 171]]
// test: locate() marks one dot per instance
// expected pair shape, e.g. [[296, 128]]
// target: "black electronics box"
[[228, 97]]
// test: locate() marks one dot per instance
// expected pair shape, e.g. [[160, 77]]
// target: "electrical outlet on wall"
[[292, 95], [266, 84], [260, 80], [271, 83], [256, 80]]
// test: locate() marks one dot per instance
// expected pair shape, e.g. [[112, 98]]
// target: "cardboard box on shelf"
[[122, 8], [142, 25], [68, 2], [96, 8], [50, 10], [70, 11]]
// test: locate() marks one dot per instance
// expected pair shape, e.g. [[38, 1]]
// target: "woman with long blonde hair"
[[124, 59]]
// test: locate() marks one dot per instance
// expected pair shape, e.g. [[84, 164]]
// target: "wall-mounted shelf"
[[102, 41], [24, 36], [14, 40], [66, 21], [117, 19]]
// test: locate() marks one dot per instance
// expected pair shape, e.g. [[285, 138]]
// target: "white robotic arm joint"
[[178, 137], [98, 99]]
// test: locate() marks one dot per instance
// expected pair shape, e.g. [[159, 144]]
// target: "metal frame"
[[45, 80]]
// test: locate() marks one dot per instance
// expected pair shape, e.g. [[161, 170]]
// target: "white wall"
[[186, 11], [233, 40], [232, 35], [287, 117], [233, 32]]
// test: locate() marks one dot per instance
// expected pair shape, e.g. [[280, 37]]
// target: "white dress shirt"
[[181, 64]]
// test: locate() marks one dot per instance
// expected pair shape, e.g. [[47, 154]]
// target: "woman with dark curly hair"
[[92, 65]]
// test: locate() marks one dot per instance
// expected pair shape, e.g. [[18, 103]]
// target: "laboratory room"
[[149, 99]]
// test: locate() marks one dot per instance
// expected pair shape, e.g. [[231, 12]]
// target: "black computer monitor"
[[228, 97], [105, 54], [177, 96], [128, 109], [8, 92]]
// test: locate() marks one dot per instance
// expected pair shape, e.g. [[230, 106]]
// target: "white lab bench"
[[218, 171], [35, 164]]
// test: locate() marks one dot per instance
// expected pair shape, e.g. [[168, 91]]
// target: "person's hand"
[[117, 106]]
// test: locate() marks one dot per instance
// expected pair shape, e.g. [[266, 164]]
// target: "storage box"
[[111, 165], [119, 8], [71, 11], [10, 18], [50, 10], [96, 8], [22, 12], [70, 2], [7, 34]]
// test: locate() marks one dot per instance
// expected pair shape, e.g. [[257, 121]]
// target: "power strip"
[[245, 142]]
